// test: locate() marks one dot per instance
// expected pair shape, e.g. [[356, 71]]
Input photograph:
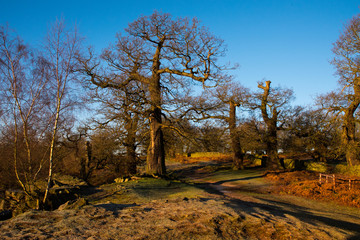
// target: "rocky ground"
[[208, 203]]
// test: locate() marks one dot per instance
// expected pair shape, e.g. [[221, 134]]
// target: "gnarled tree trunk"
[[273, 161], [130, 144], [156, 151], [238, 157], [348, 130]]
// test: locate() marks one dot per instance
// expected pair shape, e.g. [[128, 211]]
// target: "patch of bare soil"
[[229, 205]]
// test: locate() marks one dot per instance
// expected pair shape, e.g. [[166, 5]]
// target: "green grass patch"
[[234, 175], [208, 154], [145, 190]]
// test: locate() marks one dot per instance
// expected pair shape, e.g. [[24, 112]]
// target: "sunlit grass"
[[201, 157], [147, 189], [235, 176], [208, 154]]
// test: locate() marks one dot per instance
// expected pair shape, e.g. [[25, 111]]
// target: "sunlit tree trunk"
[[185, 51], [238, 157], [156, 153], [348, 130], [14, 59], [61, 86], [61, 51], [346, 61], [273, 161]]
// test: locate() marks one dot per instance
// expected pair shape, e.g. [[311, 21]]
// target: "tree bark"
[[273, 161], [156, 151], [238, 157], [52, 146], [348, 130], [130, 144], [272, 144]]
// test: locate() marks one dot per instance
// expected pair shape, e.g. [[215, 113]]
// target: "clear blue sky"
[[286, 41]]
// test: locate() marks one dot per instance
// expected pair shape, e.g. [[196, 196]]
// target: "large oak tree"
[[272, 103], [233, 95], [347, 64], [166, 55], [221, 103]]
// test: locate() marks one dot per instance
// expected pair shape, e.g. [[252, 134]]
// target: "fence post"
[[349, 184]]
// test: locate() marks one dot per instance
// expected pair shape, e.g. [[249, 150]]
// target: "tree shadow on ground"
[[193, 169], [237, 179], [355, 237], [267, 209], [115, 208], [89, 190]]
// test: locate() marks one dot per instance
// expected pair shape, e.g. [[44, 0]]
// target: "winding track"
[[247, 191]]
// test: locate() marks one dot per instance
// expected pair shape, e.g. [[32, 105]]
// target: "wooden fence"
[[333, 179]]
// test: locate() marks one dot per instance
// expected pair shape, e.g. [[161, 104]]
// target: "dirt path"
[[248, 191]]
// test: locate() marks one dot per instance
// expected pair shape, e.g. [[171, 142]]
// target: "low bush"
[[320, 167], [289, 164], [257, 162], [344, 169]]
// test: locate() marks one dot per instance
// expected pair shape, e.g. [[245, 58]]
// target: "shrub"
[[257, 162], [344, 169], [289, 164], [316, 167]]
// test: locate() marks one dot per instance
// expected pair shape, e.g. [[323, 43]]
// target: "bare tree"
[[221, 103], [313, 131], [347, 64], [252, 132], [37, 93], [234, 95], [271, 102], [123, 107], [23, 82], [61, 51], [163, 54]]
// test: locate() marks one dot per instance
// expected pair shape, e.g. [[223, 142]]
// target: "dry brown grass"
[[173, 219], [306, 184]]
